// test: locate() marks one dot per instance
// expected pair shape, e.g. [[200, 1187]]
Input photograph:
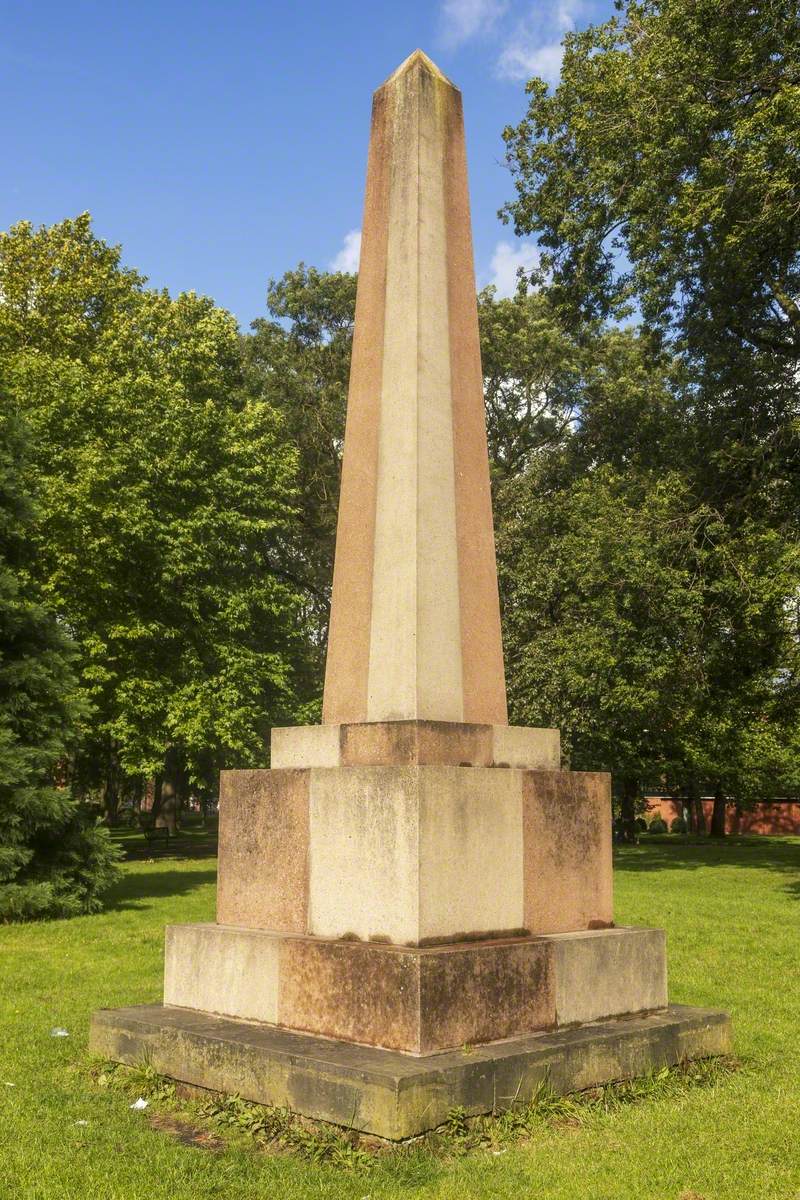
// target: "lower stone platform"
[[384, 1092]]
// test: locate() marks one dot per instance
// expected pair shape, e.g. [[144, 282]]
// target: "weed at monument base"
[[228, 1122]]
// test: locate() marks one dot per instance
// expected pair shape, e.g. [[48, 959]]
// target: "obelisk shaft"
[[415, 623]]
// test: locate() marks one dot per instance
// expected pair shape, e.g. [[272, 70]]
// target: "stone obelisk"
[[415, 619], [414, 875]]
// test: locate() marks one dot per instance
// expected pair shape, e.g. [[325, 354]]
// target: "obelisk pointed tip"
[[418, 60]]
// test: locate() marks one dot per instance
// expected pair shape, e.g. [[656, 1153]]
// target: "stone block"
[[419, 1001], [567, 838], [262, 878], [525, 749], [415, 854], [602, 973], [416, 999], [223, 969], [415, 743], [301, 746], [387, 1093]]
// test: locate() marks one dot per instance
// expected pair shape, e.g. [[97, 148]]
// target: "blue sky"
[[221, 143]]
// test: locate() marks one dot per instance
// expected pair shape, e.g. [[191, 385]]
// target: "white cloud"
[[566, 12], [465, 19], [534, 48], [507, 260], [520, 60], [348, 256], [527, 43]]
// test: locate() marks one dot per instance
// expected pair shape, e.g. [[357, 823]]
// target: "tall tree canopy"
[[662, 174], [664, 169], [166, 496], [656, 638], [661, 178]]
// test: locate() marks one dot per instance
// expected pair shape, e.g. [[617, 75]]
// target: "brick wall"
[[767, 817]]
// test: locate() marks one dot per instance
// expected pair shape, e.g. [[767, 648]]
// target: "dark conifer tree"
[[54, 861]]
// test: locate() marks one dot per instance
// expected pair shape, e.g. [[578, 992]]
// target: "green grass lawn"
[[732, 913]]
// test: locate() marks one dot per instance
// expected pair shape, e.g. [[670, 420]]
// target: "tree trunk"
[[111, 791], [697, 816], [167, 803], [718, 816], [158, 788], [688, 808], [630, 794]]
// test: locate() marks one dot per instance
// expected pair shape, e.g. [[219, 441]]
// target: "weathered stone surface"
[[262, 879], [415, 854], [419, 1000], [601, 973], [527, 749], [415, 743], [352, 990], [567, 836], [485, 991], [302, 746], [416, 1000], [387, 1093], [222, 969], [415, 620]]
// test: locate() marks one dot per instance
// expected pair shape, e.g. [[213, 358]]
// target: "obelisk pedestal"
[[415, 902]]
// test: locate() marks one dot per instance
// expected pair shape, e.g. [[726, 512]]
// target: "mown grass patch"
[[732, 913]]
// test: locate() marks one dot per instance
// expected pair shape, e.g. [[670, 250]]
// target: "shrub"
[[657, 825], [54, 860], [70, 868], [678, 826]]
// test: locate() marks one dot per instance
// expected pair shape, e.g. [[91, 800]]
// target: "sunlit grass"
[[732, 913]]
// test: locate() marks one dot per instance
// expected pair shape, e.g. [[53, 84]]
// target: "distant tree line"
[[168, 486]]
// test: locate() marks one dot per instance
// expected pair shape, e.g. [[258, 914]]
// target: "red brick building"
[[767, 816]]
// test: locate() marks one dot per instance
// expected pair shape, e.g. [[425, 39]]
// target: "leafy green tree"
[[660, 177], [742, 738], [600, 620], [297, 360], [166, 502], [534, 376], [662, 168], [625, 626], [54, 860], [662, 174]]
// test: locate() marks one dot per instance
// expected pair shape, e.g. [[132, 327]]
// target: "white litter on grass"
[[81, 1122], [7, 1084], [59, 1033], [140, 1103]]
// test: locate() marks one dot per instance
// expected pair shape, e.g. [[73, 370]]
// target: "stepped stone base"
[[419, 1000], [384, 1092], [415, 854]]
